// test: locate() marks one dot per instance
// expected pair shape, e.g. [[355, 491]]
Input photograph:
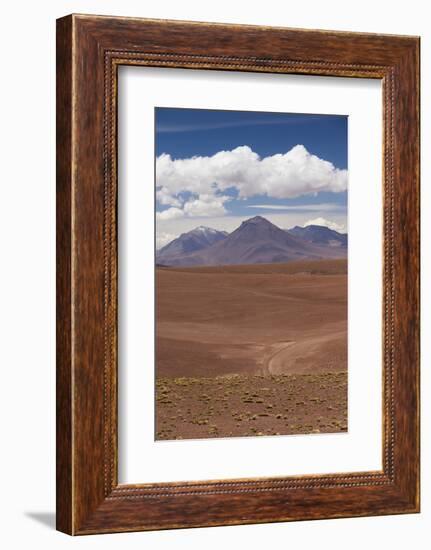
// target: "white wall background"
[[27, 280]]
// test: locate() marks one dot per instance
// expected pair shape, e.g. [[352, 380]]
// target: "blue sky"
[[217, 168]]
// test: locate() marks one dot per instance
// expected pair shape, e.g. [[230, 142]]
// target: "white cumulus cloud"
[[320, 207], [327, 223], [170, 214], [288, 175], [206, 205], [164, 197]]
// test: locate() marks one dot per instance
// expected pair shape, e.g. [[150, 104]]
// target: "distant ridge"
[[256, 240], [199, 238], [320, 234]]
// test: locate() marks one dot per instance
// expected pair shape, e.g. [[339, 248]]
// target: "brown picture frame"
[[89, 51]]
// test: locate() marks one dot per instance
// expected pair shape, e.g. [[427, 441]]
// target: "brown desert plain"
[[245, 350]]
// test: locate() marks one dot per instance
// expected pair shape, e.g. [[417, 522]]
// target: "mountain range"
[[256, 240], [199, 238], [320, 234]]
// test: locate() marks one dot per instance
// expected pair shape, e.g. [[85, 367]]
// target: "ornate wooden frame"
[[89, 51]]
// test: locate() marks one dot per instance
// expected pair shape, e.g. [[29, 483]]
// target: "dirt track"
[[250, 321], [273, 363]]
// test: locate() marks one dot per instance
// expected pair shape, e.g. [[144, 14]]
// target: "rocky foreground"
[[250, 405]]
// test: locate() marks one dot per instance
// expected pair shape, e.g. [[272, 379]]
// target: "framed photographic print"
[[237, 274]]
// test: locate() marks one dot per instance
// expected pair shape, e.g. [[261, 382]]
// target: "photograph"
[[251, 250], [212, 305]]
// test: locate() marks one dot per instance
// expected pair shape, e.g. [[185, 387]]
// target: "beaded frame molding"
[[89, 51]]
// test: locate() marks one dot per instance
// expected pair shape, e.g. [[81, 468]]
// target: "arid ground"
[[251, 349]]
